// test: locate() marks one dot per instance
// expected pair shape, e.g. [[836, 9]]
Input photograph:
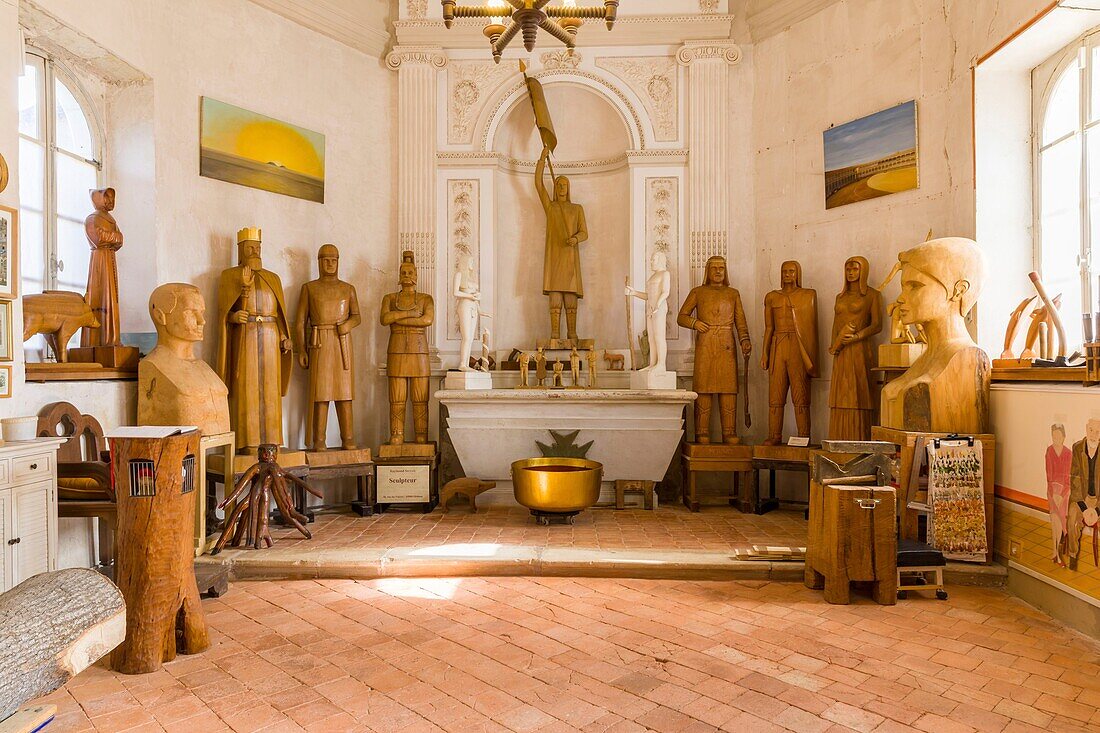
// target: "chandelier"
[[526, 17]]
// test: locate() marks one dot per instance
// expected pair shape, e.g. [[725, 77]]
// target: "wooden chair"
[[83, 470]]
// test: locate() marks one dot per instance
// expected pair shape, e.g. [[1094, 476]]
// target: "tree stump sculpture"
[[156, 507], [248, 520]]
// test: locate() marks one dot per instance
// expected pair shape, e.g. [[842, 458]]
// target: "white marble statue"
[[467, 297], [657, 289]]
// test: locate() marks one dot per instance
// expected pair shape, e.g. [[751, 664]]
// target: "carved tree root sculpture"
[[248, 521]]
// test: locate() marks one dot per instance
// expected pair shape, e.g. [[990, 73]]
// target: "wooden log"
[[156, 506], [52, 627]]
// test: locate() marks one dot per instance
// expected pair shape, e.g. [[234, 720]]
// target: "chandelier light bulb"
[[502, 6]]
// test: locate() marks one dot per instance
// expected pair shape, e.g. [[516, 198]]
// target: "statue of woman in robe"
[[857, 319]]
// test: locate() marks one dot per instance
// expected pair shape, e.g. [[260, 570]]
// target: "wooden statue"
[[946, 390], [565, 230], [790, 350], [857, 318], [559, 368], [57, 315], [104, 238], [614, 362], [592, 364], [157, 486], [575, 366], [328, 310], [175, 387], [408, 314], [254, 346], [540, 367], [524, 368], [718, 312], [264, 481]]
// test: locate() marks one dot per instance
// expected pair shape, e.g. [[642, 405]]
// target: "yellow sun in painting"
[[277, 144]]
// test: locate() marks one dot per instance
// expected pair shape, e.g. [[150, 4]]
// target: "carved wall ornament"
[[400, 55], [469, 84], [564, 59], [697, 50], [708, 6], [419, 8], [656, 81]]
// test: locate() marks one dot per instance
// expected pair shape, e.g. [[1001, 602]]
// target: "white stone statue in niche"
[[467, 297], [657, 289]]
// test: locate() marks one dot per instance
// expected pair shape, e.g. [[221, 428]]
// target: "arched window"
[[60, 160]]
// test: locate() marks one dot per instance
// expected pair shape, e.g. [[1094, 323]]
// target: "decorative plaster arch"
[[496, 110]]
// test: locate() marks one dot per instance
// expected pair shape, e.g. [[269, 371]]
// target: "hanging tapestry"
[[956, 524]]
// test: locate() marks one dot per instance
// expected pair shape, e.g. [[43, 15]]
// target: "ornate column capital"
[[429, 55], [691, 51]]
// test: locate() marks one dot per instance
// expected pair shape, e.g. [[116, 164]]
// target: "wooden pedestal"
[[124, 358], [720, 458], [422, 457], [852, 537], [772, 458], [227, 443], [357, 464]]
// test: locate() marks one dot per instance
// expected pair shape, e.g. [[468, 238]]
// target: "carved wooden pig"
[[56, 314]]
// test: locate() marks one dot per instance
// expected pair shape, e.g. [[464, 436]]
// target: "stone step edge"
[[518, 561]]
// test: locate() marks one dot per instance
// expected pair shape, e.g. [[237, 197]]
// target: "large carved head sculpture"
[[178, 311], [940, 279]]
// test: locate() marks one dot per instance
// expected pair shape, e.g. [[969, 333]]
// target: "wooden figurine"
[[615, 362], [717, 314], [105, 239], [468, 487], [254, 345], [946, 390], [328, 310], [857, 318], [56, 314], [408, 314], [540, 367], [264, 481], [575, 367], [524, 368], [592, 364], [157, 486], [565, 230], [790, 350], [559, 367], [174, 386]]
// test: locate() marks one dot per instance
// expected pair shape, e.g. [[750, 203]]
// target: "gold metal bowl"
[[557, 485]]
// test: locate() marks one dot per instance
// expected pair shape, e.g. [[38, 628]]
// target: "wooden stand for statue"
[[207, 443], [772, 458], [412, 456], [155, 483], [52, 627], [1092, 363], [123, 358], [643, 488], [720, 458], [912, 495], [357, 464]]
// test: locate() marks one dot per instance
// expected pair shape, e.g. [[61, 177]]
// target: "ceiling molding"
[[642, 30], [348, 23], [767, 18]]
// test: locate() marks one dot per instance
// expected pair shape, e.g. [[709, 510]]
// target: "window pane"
[[30, 116], [75, 179], [72, 250], [1094, 112], [1061, 182], [32, 175], [32, 251], [1063, 107], [1061, 231], [73, 132]]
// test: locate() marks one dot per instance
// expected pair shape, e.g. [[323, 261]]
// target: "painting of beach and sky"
[[872, 156], [250, 149]]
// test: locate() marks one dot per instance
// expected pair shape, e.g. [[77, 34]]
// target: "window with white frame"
[[60, 161]]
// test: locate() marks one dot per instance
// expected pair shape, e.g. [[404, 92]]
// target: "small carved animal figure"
[[57, 315], [468, 487], [615, 362]]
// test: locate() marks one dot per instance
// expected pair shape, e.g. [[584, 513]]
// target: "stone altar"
[[635, 433]]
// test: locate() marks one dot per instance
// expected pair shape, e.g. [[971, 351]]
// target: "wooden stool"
[[624, 487], [917, 561], [720, 458]]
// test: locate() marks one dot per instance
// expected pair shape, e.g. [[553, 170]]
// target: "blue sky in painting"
[[872, 137]]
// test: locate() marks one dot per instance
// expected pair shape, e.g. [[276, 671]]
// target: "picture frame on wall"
[[9, 253], [873, 156], [7, 352], [5, 381]]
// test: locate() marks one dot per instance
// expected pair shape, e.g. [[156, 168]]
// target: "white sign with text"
[[404, 484]]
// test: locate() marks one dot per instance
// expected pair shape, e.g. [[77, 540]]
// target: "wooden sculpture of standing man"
[[104, 238], [254, 348], [565, 230], [790, 350], [718, 311], [408, 315], [328, 310]]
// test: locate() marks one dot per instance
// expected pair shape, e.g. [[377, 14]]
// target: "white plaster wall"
[[239, 53], [852, 59]]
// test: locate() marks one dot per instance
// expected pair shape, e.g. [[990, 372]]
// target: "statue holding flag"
[[565, 227]]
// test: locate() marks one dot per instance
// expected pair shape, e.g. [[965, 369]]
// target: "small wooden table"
[[772, 458], [227, 443], [363, 473], [720, 458]]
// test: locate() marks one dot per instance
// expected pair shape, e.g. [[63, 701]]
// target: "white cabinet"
[[28, 510]]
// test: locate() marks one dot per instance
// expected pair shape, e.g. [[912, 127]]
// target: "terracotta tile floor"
[[666, 528], [602, 656]]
